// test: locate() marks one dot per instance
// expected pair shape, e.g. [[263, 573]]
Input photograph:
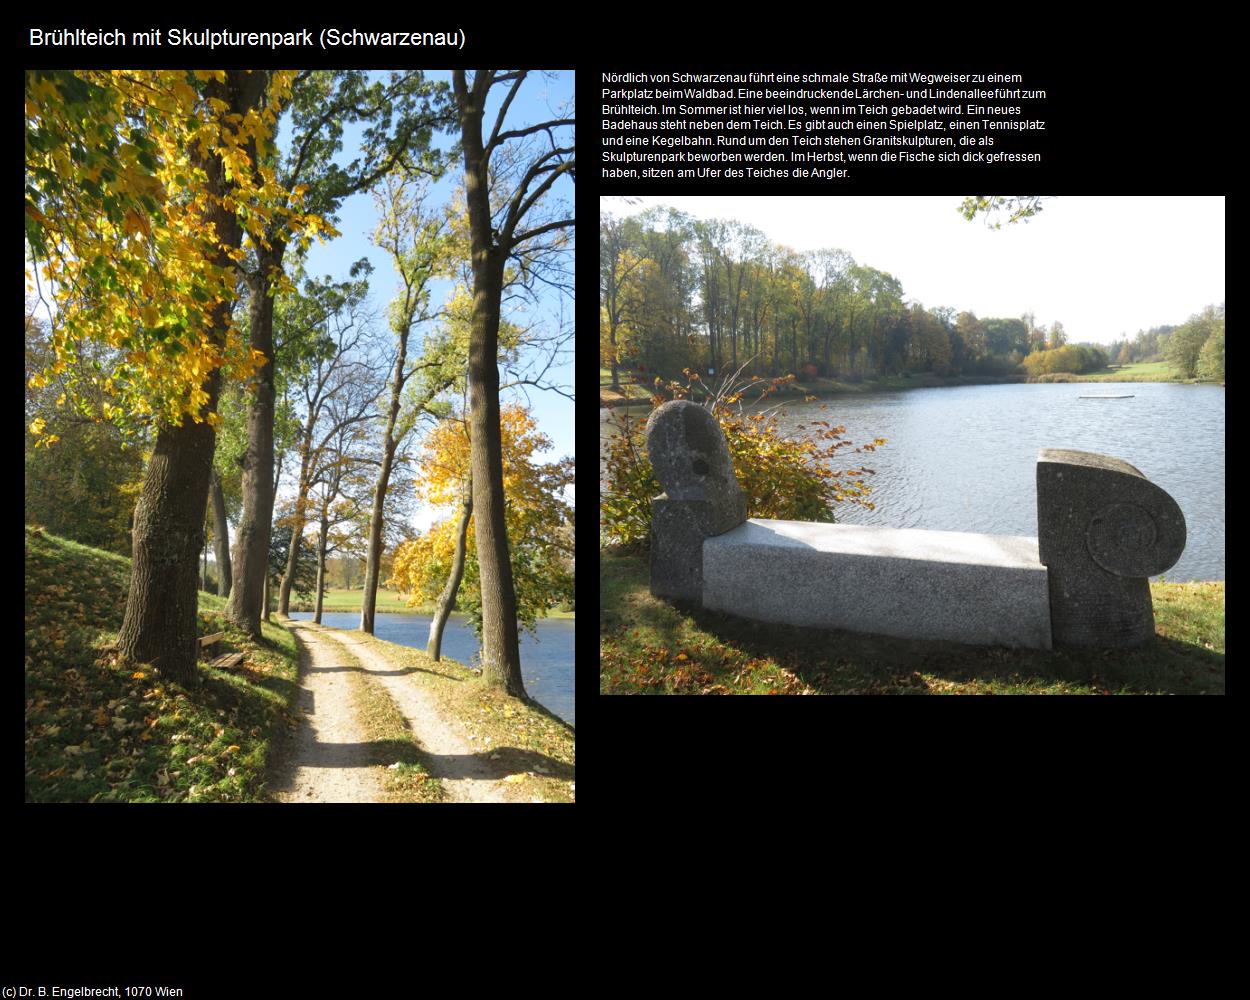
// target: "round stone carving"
[[689, 455], [1122, 540]]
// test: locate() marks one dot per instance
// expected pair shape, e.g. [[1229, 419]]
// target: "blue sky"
[[1105, 267], [539, 96]]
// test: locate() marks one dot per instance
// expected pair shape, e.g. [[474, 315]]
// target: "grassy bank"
[[342, 599], [1152, 371], [626, 393], [651, 646], [100, 730], [388, 601], [531, 747], [919, 380], [822, 387], [1148, 371]]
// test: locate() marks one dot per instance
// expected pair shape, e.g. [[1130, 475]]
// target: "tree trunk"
[[447, 599], [221, 532], [266, 598], [288, 575], [159, 624], [204, 574], [501, 650], [368, 600], [321, 565], [251, 552], [297, 526]]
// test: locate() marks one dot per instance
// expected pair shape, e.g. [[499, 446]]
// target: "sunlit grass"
[[98, 729]]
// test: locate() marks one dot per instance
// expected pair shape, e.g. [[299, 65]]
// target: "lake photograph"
[[978, 441]]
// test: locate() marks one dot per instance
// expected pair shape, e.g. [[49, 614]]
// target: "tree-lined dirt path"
[[466, 774], [327, 758]]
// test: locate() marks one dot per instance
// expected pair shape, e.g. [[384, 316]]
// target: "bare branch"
[[530, 130], [531, 233], [495, 138]]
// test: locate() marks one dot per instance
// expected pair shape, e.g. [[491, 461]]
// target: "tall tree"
[[342, 491], [616, 266], [323, 103], [221, 534], [1184, 346], [340, 370], [538, 516], [145, 182], [416, 242], [501, 229]]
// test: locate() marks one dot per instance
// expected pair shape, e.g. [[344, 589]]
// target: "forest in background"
[[679, 292]]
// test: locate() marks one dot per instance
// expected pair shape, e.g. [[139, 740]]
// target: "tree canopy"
[[539, 520], [122, 250]]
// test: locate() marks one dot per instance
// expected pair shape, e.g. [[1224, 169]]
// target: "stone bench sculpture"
[[1103, 528]]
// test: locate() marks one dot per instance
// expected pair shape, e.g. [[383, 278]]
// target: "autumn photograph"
[[299, 475]]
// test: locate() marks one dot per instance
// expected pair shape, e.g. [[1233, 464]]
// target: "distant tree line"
[[1193, 350], [1147, 345], [679, 292]]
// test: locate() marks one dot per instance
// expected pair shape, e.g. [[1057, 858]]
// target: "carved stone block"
[[1102, 528], [701, 495]]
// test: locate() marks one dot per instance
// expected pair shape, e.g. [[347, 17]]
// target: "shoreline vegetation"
[[340, 600], [650, 646], [1154, 371]]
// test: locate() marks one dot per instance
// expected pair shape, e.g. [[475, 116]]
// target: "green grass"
[[1144, 371], [651, 646], [520, 738], [341, 599], [610, 397], [1151, 371], [101, 730]]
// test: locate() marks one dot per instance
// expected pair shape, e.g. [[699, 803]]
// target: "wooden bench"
[[226, 661]]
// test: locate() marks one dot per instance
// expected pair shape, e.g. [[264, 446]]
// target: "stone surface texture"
[[910, 583], [1103, 528], [701, 495]]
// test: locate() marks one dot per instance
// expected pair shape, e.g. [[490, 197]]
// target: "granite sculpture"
[[1103, 529], [701, 495]]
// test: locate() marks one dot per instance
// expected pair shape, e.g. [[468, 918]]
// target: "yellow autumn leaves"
[[537, 517], [117, 211]]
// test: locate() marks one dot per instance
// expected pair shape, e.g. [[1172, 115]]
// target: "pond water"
[[964, 458], [546, 660]]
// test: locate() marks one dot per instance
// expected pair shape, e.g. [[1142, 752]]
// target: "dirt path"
[[327, 759], [467, 776]]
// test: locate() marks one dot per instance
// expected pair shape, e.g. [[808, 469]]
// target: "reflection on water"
[[964, 458], [546, 661]]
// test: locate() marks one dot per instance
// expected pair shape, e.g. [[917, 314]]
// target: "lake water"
[[546, 661], [965, 458]]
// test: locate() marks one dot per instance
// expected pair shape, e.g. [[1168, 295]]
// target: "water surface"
[[965, 458]]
